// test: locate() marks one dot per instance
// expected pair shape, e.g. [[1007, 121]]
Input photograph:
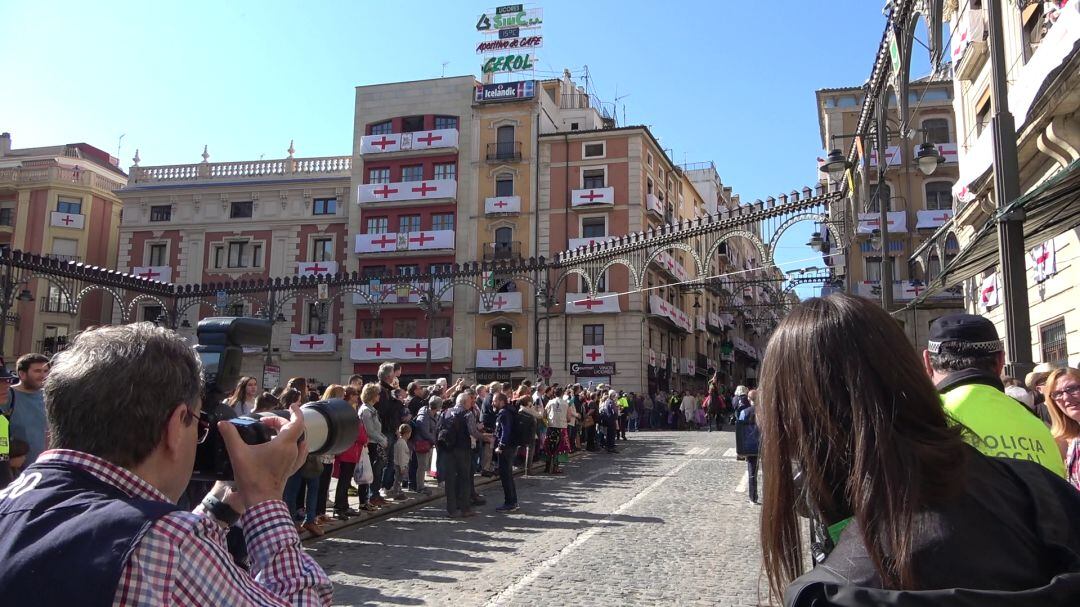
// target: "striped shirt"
[[182, 559]]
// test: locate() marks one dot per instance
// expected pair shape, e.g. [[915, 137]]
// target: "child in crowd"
[[402, 455]]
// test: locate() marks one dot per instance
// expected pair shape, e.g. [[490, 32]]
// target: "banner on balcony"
[[74, 221], [400, 349], [931, 219], [502, 204], [388, 242], [398, 142], [593, 355], [868, 222], [581, 303], [699, 323], [158, 273], [326, 342], [499, 359], [315, 268], [430, 189], [663, 360], [502, 303], [1043, 260], [659, 307], [988, 292], [592, 196], [669, 264], [687, 366], [714, 319]]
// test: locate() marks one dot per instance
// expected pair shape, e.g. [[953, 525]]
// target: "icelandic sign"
[[511, 16], [509, 44], [509, 63], [587, 370], [507, 91]]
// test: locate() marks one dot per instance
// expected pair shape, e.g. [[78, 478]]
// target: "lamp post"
[[430, 304], [545, 298], [8, 285]]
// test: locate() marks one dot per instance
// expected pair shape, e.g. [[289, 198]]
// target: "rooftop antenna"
[[616, 104], [118, 142], [444, 64]]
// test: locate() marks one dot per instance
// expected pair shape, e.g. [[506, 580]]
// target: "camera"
[[330, 426]]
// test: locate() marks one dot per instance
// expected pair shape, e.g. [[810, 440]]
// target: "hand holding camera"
[[261, 470]]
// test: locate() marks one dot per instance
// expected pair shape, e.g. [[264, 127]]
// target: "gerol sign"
[[509, 63]]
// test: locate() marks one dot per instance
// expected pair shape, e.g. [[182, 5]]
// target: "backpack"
[[450, 431], [524, 429]]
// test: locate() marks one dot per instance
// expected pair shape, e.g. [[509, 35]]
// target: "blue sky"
[[732, 82]]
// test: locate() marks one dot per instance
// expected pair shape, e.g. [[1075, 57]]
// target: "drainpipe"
[[536, 239], [566, 240]]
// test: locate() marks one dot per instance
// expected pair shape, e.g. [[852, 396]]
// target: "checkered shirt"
[[182, 559]]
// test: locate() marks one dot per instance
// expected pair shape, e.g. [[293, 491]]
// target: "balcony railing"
[[494, 251], [75, 258], [40, 174], [254, 169], [52, 345], [504, 151]]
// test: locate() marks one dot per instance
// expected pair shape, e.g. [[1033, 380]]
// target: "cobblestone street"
[[666, 520]]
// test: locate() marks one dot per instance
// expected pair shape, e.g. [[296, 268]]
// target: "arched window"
[[938, 195], [936, 130], [502, 337], [952, 247], [504, 243], [933, 268]]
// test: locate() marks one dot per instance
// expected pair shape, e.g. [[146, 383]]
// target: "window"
[[601, 285], [314, 323], [982, 112], [324, 206], [404, 327], [7, 216], [237, 254], [412, 173], [648, 159], [648, 185], [408, 223], [378, 175], [592, 335], [504, 142], [55, 301], [368, 329], [408, 270], [593, 150], [873, 269], [377, 225], [446, 122], [445, 170], [1033, 28], [442, 221], [382, 128], [441, 268], [372, 271], [502, 337], [322, 249], [504, 185], [152, 313], [412, 124], [71, 206], [441, 327], [65, 248], [243, 254], [236, 309], [240, 209], [884, 192], [574, 126], [936, 130], [1054, 348], [157, 254], [592, 178], [938, 196], [593, 227], [933, 268], [162, 212]]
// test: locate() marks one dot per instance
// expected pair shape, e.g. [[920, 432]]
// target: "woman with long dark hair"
[[911, 507], [243, 397]]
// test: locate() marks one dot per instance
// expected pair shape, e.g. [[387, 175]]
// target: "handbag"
[[422, 446], [364, 475]]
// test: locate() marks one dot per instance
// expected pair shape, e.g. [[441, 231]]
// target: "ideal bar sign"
[[506, 91]]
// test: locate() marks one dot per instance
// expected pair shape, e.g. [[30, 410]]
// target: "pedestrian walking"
[[609, 417], [748, 418]]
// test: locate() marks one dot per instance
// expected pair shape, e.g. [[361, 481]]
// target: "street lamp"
[[817, 243], [835, 165], [431, 305], [928, 158], [875, 239]]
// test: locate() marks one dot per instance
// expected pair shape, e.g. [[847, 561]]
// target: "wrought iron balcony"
[[494, 251], [504, 151], [52, 345]]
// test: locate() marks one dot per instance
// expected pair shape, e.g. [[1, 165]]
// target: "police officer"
[[965, 358]]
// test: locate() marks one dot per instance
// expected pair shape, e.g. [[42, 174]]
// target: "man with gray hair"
[[454, 444], [125, 409]]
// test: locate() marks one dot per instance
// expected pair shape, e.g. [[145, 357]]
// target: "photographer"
[[102, 502]]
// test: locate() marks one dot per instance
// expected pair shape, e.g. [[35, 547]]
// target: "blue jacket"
[[504, 425]]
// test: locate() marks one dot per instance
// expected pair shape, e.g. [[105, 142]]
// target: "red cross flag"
[[592, 196], [502, 204], [499, 359], [386, 242], [430, 239], [1043, 260], [377, 144], [502, 303], [312, 343], [440, 138], [428, 189], [315, 268], [67, 220], [400, 348], [158, 273], [592, 355], [581, 303], [988, 292]]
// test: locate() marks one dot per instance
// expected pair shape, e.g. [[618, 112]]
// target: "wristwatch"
[[220, 510]]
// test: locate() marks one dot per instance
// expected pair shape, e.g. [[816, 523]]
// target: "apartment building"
[[917, 204], [57, 201], [217, 222]]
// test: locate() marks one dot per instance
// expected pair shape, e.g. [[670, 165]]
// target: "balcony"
[[668, 311], [402, 293], [588, 241], [504, 151], [502, 303], [502, 205], [969, 43], [399, 242], [653, 205], [315, 268], [497, 251], [47, 171], [418, 141], [330, 166], [429, 190], [703, 365]]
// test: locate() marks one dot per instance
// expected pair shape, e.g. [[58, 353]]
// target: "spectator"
[[402, 454], [392, 413], [504, 439], [103, 502], [556, 443], [424, 440], [454, 451], [1035, 382], [243, 397], [377, 443], [749, 415], [356, 381], [1063, 400], [345, 465], [267, 402], [26, 404]]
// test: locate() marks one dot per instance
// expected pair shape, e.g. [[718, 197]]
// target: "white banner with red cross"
[[666, 261], [388, 242], [893, 156], [397, 142], [326, 342], [158, 273], [400, 349], [868, 222], [931, 219], [315, 268], [592, 355], [429, 189], [502, 302], [1043, 261], [592, 196], [74, 221], [499, 359], [988, 292], [581, 303], [502, 204]]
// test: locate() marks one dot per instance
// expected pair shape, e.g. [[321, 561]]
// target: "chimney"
[[5, 144]]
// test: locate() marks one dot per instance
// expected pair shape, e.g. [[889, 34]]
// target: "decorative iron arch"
[[256, 304], [111, 291], [834, 228], [699, 265], [622, 261], [65, 291], [566, 274], [762, 248], [133, 304]]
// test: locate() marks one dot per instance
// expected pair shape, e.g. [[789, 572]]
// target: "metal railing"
[[52, 345], [503, 151], [502, 250]]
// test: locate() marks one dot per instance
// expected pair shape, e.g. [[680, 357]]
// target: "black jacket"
[[1011, 537], [391, 411]]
